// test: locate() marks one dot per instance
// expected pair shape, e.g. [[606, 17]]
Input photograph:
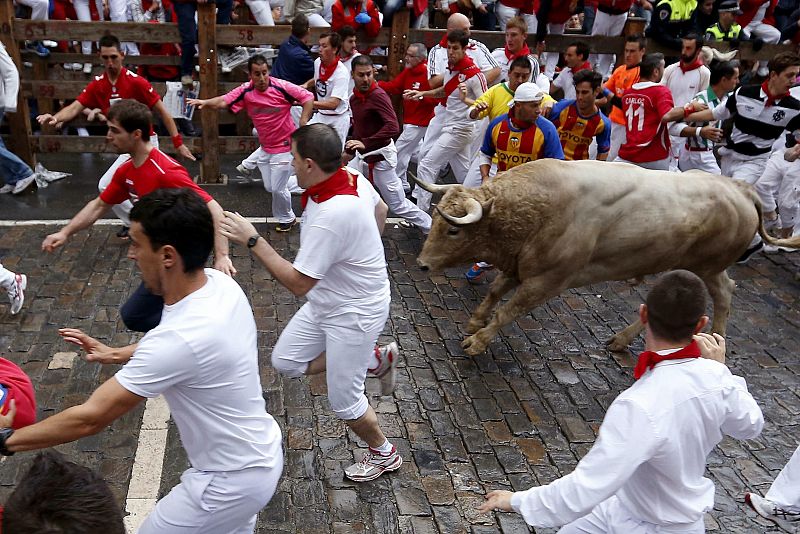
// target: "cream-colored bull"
[[551, 225]]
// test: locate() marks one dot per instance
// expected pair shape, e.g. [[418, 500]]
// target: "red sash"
[[771, 99], [525, 51], [466, 69], [339, 183], [326, 72], [649, 359]]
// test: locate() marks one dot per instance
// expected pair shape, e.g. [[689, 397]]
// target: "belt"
[[698, 149]]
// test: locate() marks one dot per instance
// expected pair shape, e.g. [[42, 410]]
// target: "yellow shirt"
[[498, 98]]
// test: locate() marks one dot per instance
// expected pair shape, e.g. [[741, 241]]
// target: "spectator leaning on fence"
[[294, 63], [186, 11], [17, 174]]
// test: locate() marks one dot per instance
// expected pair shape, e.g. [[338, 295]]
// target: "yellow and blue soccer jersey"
[[513, 147], [576, 132]]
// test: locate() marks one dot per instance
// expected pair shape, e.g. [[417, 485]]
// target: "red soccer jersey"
[[643, 105], [101, 93], [15, 384], [157, 172]]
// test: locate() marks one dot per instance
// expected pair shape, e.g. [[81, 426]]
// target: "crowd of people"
[[327, 128]]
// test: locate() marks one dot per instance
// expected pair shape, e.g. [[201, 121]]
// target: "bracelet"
[[5, 433], [177, 140], [688, 110], [697, 131]]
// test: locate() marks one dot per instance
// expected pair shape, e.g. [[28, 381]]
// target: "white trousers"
[[769, 34], [84, 14], [658, 165], [785, 490], [118, 12], [432, 133], [123, 210], [779, 188], [6, 277], [213, 502], [275, 170], [618, 138], [340, 123], [611, 517], [408, 147], [740, 167], [261, 11], [391, 189], [552, 57], [700, 160], [504, 14], [451, 147], [676, 146], [39, 8], [611, 25], [348, 340]]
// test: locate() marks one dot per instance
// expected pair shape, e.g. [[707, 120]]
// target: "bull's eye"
[[453, 230]]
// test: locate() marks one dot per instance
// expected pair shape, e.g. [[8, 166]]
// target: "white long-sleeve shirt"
[[684, 85], [9, 77], [652, 447]]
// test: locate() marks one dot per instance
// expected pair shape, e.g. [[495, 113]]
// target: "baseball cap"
[[527, 92]]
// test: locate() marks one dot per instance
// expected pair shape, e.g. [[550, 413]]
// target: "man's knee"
[[346, 406], [286, 366]]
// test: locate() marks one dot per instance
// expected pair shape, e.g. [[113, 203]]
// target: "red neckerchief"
[[696, 64], [586, 65], [517, 123], [649, 359], [443, 42], [465, 67], [771, 99], [339, 183], [326, 72], [363, 96], [525, 51]]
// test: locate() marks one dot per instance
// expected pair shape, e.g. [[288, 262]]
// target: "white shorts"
[[611, 517], [349, 343], [215, 502]]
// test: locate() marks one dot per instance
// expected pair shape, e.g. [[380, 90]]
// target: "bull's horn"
[[474, 214], [432, 188]]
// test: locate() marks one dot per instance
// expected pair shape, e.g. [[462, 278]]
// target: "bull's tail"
[[792, 242]]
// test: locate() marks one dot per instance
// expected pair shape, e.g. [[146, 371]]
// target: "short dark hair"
[[521, 62], [588, 75], [61, 497], [783, 61], [698, 40], [257, 59], [110, 41], [722, 69], [581, 49], [132, 115], [179, 218], [346, 31], [300, 26], [362, 60], [458, 36], [649, 64], [675, 305], [637, 38], [334, 39], [320, 143]]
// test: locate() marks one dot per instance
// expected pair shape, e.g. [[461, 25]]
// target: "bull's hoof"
[[474, 325], [617, 343], [473, 345]]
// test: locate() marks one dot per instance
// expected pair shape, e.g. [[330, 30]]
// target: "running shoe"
[[769, 510], [16, 293], [244, 171], [285, 227], [23, 184], [373, 465], [477, 272], [750, 252]]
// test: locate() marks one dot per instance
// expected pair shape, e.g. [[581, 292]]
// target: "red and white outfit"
[[101, 93], [453, 145], [757, 20], [684, 82], [16, 385], [564, 80], [785, 490], [270, 111], [346, 310], [333, 81], [609, 20], [675, 415], [504, 57], [647, 143]]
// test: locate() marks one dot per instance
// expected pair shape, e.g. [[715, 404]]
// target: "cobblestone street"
[[521, 414]]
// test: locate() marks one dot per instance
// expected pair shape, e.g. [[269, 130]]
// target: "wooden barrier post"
[[19, 122], [209, 118], [397, 52]]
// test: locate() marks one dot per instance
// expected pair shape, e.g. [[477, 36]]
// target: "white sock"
[[383, 450]]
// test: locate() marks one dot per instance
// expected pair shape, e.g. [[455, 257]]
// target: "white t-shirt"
[[348, 64], [337, 86], [203, 358], [457, 112], [341, 247], [499, 55], [476, 50], [684, 85], [564, 82]]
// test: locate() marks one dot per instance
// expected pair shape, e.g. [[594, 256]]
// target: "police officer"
[[727, 29], [672, 19]]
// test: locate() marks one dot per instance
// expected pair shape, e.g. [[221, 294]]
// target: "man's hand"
[[236, 228], [462, 91], [712, 346], [184, 152], [478, 108], [410, 94], [792, 154], [7, 420], [711, 133], [196, 102], [224, 265], [497, 499], [47, 119], [482, 8], [95, 115], [346, 158], [53, 241], [354, 145], [95, 351]]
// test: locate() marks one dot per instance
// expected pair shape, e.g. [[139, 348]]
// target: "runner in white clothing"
[[644, 473], [331, 83]]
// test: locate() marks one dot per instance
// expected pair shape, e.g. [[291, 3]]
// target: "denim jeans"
[[187, 26], [12, 168], [588, 19], [487, 21]]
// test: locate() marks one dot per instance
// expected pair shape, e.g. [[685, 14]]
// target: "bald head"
[[457, 21]]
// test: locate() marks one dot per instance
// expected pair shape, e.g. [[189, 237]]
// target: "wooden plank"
[[62, 90], [18, 122], [57, 58], [207, 44], [44, 102], [397, 52], [249, 35], [58, 30], [96, 144]]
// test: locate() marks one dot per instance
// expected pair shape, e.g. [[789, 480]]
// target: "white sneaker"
[[67, 66], [6, 189], [87, 68], [77, 66], [49, 44], [769, 510], [386, 370], [16, 293], [244, 171], [23, 184], [373, 465]]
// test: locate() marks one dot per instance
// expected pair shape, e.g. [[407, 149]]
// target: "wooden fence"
[[47, 85]]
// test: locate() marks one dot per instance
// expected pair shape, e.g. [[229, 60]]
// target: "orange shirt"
[[622, 79]]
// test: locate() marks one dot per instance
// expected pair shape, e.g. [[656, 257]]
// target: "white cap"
[[527, 92]]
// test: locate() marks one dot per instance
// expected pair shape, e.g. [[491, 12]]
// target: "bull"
[[551, 225]]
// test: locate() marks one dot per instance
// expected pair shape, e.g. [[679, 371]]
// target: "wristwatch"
[[5, 433], [252, 241]]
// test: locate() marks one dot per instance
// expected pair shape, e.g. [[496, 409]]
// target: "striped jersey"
[[710, 98], [576, 131], [514, 147], [755, 125]]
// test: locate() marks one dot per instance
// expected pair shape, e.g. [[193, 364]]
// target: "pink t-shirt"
[[270, 111]]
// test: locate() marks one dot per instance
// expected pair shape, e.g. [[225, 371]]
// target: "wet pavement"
[[521, 414]]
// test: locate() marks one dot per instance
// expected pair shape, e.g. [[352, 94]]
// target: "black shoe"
[[124, 233], [285, 227], [749, 253]]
